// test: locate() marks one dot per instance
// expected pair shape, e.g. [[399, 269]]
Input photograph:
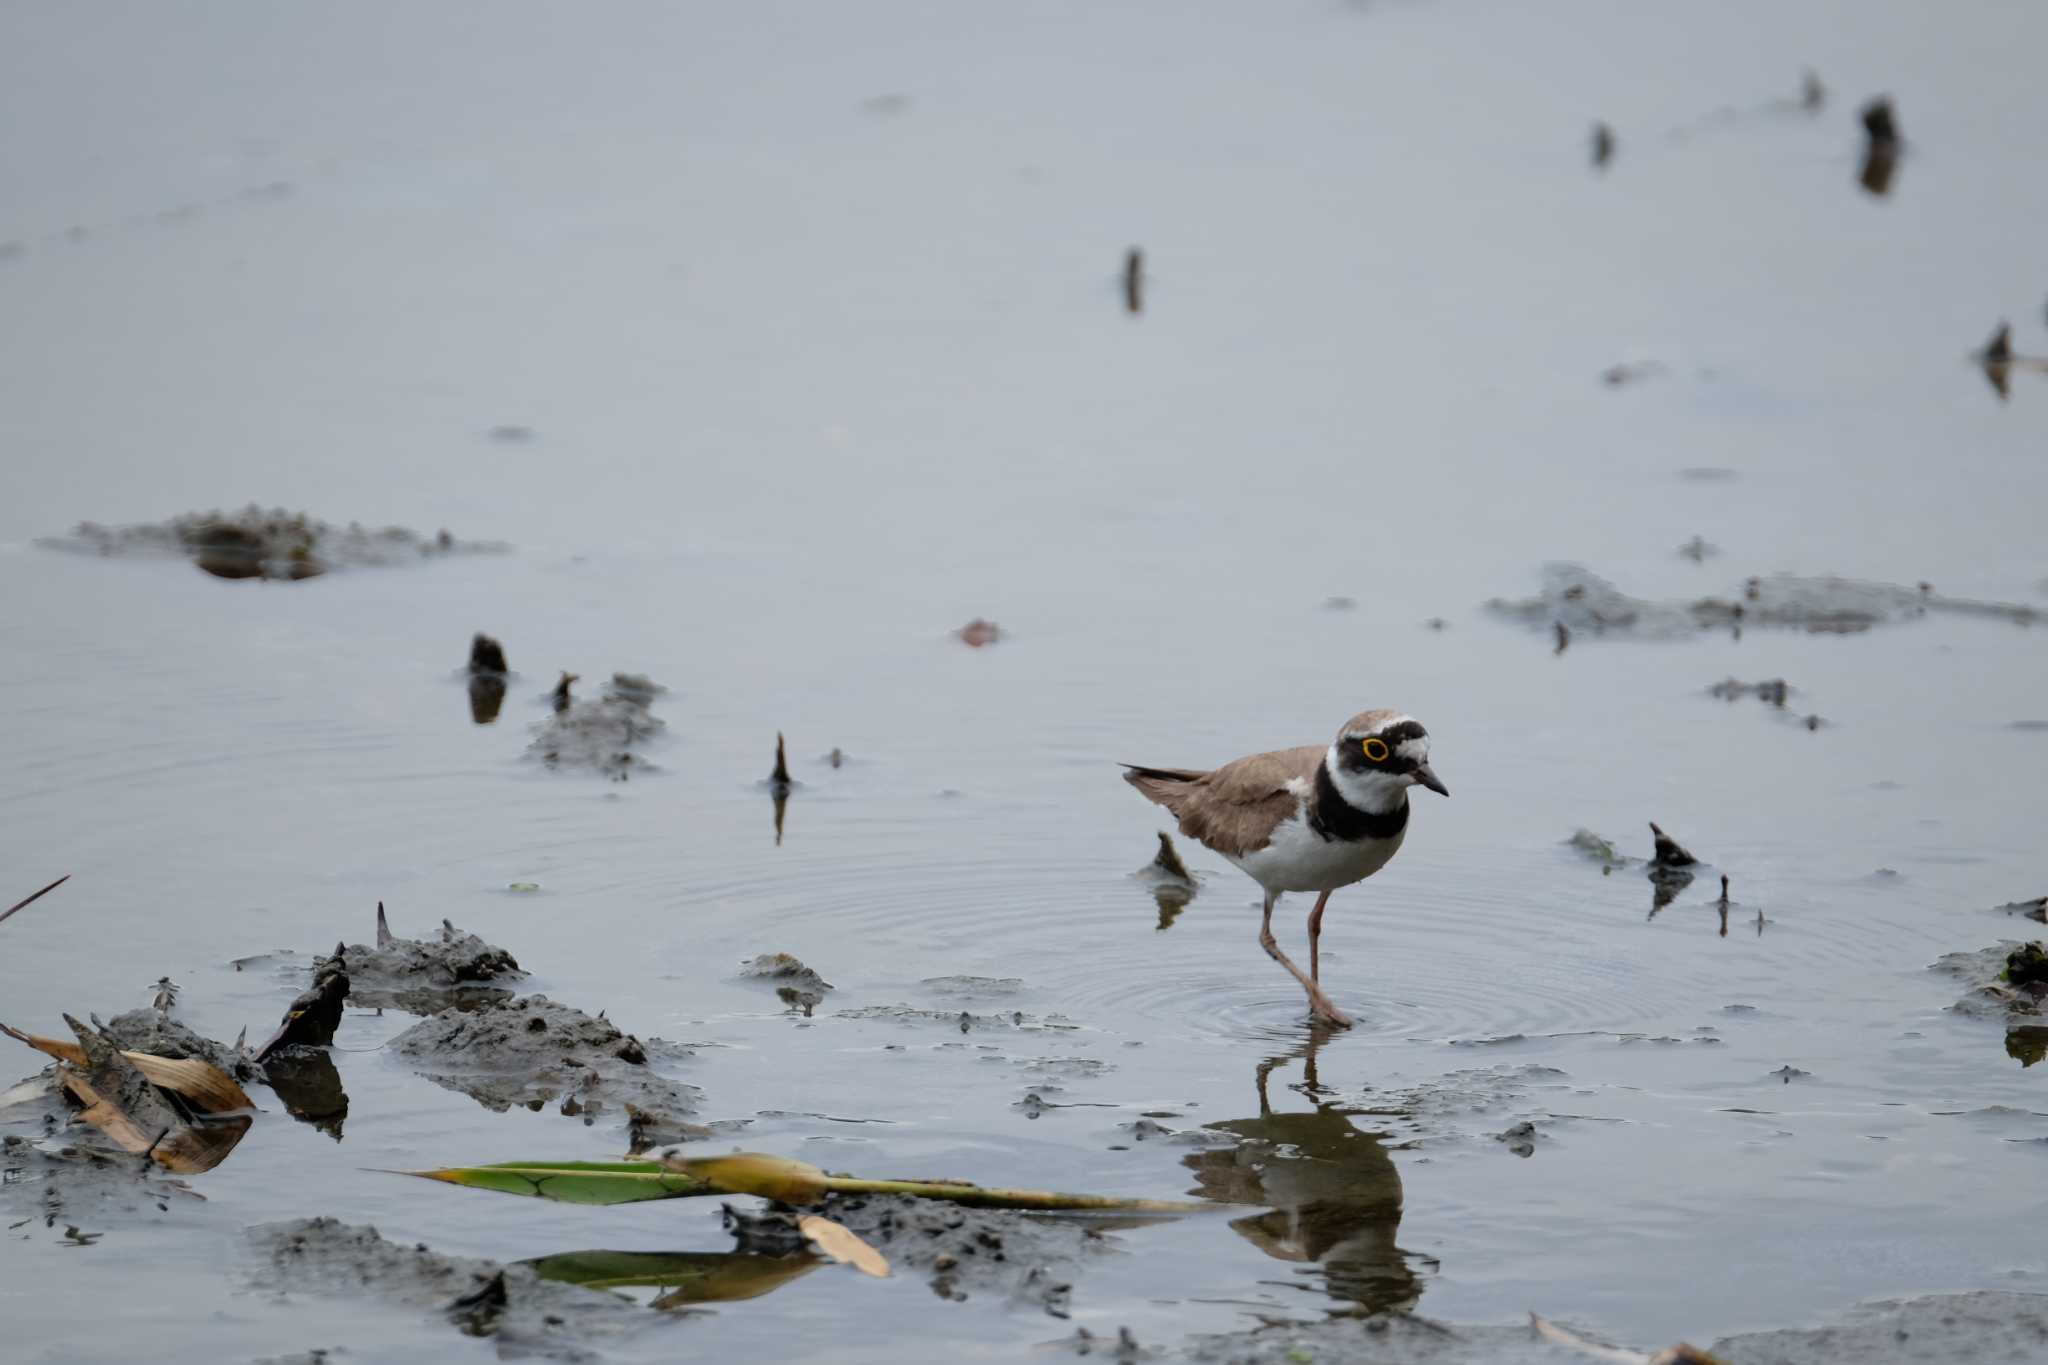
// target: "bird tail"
[[1167, 787]]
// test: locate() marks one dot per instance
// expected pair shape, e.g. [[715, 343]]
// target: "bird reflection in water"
[[1333, 1193]]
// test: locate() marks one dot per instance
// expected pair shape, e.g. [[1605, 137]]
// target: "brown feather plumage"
[[1235, 809]]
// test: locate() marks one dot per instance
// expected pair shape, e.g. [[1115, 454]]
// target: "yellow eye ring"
[[1376, 749]]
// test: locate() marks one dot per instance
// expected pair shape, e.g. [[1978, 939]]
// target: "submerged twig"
[[30, 900]]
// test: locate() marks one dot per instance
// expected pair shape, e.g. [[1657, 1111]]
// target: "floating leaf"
[[575, 1182], [756, 1173], [843, 1245]]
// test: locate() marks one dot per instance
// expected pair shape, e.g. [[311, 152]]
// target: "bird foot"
[[1329, 1013]]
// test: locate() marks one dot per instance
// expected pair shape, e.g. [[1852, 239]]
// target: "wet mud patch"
[[533, 1052], [964, 1021], [274, 544], [1987, 1327], [1476, 1107], [1015, 1259], [1584, 603], [523, 1313], [1378, 1340], [606, 735], [973, 987], [76, 1192]]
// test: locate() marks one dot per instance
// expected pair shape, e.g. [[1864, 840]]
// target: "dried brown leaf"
[[842, 1244], [204, 1084]]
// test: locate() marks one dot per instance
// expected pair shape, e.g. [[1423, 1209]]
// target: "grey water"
[[814, 316]]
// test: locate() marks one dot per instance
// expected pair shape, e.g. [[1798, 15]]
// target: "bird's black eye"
[[1375, 749]]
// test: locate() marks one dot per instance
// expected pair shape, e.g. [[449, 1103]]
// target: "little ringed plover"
[[1307, 819]]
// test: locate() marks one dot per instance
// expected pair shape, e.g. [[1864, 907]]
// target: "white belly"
[[1299, 859]]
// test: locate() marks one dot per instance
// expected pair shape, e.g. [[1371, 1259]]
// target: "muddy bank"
[[606, 735], [274, 544], [1583, 602], [524, 1314], [532, 1051]]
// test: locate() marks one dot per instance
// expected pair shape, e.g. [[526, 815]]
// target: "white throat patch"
[[1375, 792]]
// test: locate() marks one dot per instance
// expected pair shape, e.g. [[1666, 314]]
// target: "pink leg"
[[1315, 934], [1319, 1004]]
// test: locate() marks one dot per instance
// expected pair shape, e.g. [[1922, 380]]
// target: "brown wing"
[[1236, 808]]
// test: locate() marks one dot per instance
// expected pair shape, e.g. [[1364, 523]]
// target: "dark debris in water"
[[273, 544]]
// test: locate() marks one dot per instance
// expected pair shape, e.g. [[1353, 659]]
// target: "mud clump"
[[157, 1034], [426, 976], [1016, 1258], [533, 1052], [1584, 602], [274, 544], [523, 1313], [603, 735], [2007, 985]]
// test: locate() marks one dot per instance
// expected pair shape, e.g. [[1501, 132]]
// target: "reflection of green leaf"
[[688, 1276], [576, 1182]]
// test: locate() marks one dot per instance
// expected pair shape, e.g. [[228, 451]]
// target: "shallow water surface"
[[810, 377]]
